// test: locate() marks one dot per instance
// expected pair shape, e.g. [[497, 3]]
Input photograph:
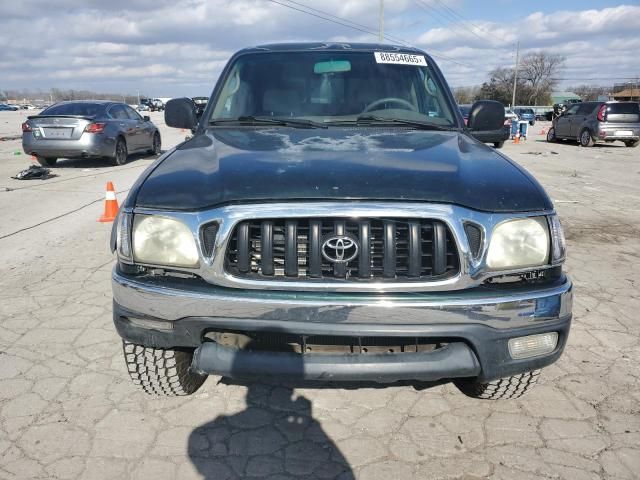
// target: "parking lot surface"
[[69, 411]]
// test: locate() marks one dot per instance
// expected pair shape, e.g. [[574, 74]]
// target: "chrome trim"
[[473, 272], [171, 300]]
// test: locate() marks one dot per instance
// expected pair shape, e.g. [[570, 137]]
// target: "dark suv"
[[333, 219], [589, 122]]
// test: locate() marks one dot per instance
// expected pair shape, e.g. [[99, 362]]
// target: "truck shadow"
[[275, 436]]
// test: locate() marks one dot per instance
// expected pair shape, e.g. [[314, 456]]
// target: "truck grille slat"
[[389, 249]]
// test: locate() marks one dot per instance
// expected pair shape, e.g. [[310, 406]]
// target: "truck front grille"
[[387, 250]]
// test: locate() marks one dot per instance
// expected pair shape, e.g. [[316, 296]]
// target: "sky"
[[168, 48]]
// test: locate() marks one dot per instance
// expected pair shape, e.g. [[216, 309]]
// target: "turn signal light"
[[601, 112], [95, 127]]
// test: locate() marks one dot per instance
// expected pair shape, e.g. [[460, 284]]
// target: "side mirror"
[[146, 118], [181, 113], [486, 115]]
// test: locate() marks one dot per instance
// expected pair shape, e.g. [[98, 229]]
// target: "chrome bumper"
[[167, 313], [172, 300]]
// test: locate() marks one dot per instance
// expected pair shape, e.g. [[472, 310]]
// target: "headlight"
[[163, 241], [519, 243]]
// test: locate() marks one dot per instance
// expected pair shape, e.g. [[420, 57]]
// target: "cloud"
[[179, 47]]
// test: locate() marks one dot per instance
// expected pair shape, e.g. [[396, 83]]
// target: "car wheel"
[[586, 140], [551, 135], [121, 153], [532, 123], [46, 161], [156, 145], [160, 371], [501, 389], [498, 144], [632, 143]]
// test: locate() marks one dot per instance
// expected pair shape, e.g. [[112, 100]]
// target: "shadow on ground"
[[276, 436]]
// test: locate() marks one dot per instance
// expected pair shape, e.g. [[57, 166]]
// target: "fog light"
[[533, 345], [151, 324]]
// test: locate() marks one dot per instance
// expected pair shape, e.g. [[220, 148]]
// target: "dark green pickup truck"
[[333, 219]]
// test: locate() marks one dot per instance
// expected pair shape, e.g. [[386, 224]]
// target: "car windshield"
[[82, 109], [333, 87]]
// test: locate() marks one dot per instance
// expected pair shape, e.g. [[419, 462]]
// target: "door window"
[[133, 115], [118, 112]]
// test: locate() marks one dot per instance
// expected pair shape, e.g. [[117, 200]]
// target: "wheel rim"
[[585, 137], [121, 153]]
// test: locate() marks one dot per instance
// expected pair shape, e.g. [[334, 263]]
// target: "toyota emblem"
[[340, 248]]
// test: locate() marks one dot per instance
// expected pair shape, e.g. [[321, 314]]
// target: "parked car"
[[590, 122], [89, 129], [510, 115], [201, 104], [143, 107], [6, 107], [526, 114], [157, 105], [333, 219], [497, 137]]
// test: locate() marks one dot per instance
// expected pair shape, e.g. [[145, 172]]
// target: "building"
[[629, 94]]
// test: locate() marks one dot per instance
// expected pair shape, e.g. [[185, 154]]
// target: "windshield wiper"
[[253, 120], [374, 119]]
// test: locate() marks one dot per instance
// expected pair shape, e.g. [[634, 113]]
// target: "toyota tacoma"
[[333, 219]]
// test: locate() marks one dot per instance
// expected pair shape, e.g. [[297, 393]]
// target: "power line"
[[453, 22], [459, 15], [362, 28]]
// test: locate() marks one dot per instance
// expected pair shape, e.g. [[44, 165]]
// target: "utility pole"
[[381, 23], [515, 76]]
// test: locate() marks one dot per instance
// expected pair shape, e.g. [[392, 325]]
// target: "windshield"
[[333, 87], [82, 109]]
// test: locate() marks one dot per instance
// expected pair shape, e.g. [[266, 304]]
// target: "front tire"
[[632, 143], [551, 135], [498, 144], [121, 153], [47, 161], [160, 371], [532, 122], [501, 389], [586, 140]]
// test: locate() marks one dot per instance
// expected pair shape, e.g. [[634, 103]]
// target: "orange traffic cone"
[[543, 132], [110, 205], [516, 139]]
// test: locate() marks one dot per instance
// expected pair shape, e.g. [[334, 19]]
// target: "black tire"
[[47, 161], [551, 135], [121, 153], [156, 145], [532, 122], [501, 389], [498, 144], [632, 143], [160, 371], [585, 139]]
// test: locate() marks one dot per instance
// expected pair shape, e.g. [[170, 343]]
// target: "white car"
[[510, 115]]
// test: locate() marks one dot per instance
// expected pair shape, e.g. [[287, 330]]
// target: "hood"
[[244, 165]]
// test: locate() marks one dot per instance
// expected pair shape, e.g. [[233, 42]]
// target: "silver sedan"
[[89, 129]]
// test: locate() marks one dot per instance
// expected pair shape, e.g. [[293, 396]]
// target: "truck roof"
[[315, 46]]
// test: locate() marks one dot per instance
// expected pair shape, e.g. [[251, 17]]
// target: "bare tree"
[[465, 95], [540, 70]]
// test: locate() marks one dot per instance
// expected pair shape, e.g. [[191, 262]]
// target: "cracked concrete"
[[69, 411]]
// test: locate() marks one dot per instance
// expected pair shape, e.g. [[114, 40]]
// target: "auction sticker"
[[400, 58]]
